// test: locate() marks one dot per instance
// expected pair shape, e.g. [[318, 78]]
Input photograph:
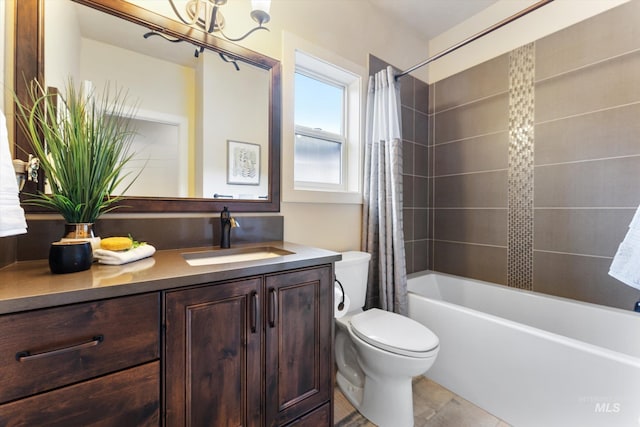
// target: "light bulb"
[[260, 12], [262, 5]]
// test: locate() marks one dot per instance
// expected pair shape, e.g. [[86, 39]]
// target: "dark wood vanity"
[[202, 346]]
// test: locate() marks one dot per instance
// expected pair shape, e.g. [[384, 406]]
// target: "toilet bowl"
[[378, 352]]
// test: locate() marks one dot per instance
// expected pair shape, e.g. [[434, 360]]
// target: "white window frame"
[[313, 61]]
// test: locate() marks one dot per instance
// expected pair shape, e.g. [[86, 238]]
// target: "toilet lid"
[[394, 332]]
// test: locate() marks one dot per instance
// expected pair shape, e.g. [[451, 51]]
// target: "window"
[[322, 111], [319, 131], [326, 126]]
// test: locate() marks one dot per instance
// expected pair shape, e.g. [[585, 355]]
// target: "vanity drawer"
[[46, 349], [126, 398]]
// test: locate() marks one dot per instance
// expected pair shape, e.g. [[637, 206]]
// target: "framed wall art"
[[243, 163]]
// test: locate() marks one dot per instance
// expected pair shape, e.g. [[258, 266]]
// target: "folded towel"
[[626, 263], [12, 219], [122, 257]]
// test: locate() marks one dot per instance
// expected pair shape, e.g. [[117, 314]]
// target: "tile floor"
[[434, 406]]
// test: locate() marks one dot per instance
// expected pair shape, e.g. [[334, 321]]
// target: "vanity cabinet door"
[[213, 355], [299, 355]]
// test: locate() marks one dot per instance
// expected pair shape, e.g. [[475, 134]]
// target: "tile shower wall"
[[414, 98], [469, 147], [585, 155]]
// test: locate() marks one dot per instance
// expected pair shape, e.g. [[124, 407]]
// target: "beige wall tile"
[[600, 183], [421, 96], [488, 115], [408, 157], [407, 224], [407, 91], [421, 160], [603, 36], [481, 81], [421, 192], [407, 118], [581, 231], [604, 85], [421, 255], [475, 190], [421, 223], [484, 226], [488, 263], [483, 153], [609, 133], [408, 253], [421, 128], [407, 191], [580, 277]]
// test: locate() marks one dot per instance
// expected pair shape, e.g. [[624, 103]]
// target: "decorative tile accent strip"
[[520, 190]]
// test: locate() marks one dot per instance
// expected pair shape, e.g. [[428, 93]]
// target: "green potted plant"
[[83, 141]]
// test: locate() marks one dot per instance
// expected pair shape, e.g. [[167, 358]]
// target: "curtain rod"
[[475, 37]]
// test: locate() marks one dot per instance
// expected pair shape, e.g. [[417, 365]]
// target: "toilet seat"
[[394, 333]]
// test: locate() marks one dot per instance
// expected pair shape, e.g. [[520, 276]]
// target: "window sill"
[[319, 196]]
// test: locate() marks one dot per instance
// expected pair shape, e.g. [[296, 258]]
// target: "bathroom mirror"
[[202, 111]]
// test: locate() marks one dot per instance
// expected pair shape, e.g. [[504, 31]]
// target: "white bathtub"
[[528, 358]]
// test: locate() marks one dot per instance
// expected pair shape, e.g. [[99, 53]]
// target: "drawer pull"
[[24, 356], [254, 311], [273, 307]]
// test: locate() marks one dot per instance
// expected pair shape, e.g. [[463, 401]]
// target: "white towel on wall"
[[626, 263], [12, 219]]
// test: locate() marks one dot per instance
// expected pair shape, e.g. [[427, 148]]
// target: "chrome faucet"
[[227, 222]]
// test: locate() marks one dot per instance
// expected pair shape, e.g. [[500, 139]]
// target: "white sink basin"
[[227, 256]]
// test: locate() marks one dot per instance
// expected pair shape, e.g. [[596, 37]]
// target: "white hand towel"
[[626, 263], [12, 219], [122, 257]]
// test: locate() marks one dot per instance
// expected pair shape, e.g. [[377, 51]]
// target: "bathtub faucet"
[[227, 222]]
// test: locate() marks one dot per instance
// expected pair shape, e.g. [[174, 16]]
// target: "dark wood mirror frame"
[[29, 65]]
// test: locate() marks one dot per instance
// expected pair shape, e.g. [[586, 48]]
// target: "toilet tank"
[[352, 272]]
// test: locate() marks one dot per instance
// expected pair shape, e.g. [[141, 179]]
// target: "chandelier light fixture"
[[206, 15]]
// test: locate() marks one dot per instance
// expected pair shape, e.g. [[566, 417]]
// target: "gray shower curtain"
[[382, 234]]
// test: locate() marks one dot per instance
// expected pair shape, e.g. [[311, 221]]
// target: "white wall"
[[63, 47], [236, 105], [146, 79]]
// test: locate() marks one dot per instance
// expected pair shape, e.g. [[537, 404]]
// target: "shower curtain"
[[382, 234]]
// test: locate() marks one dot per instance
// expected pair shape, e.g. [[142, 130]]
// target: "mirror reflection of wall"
[[199, 102], [161, 153], [233, 108]]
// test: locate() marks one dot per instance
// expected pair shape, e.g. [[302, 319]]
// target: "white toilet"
[[378, 352]]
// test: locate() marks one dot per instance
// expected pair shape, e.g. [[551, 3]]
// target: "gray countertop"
[[29, 285]]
